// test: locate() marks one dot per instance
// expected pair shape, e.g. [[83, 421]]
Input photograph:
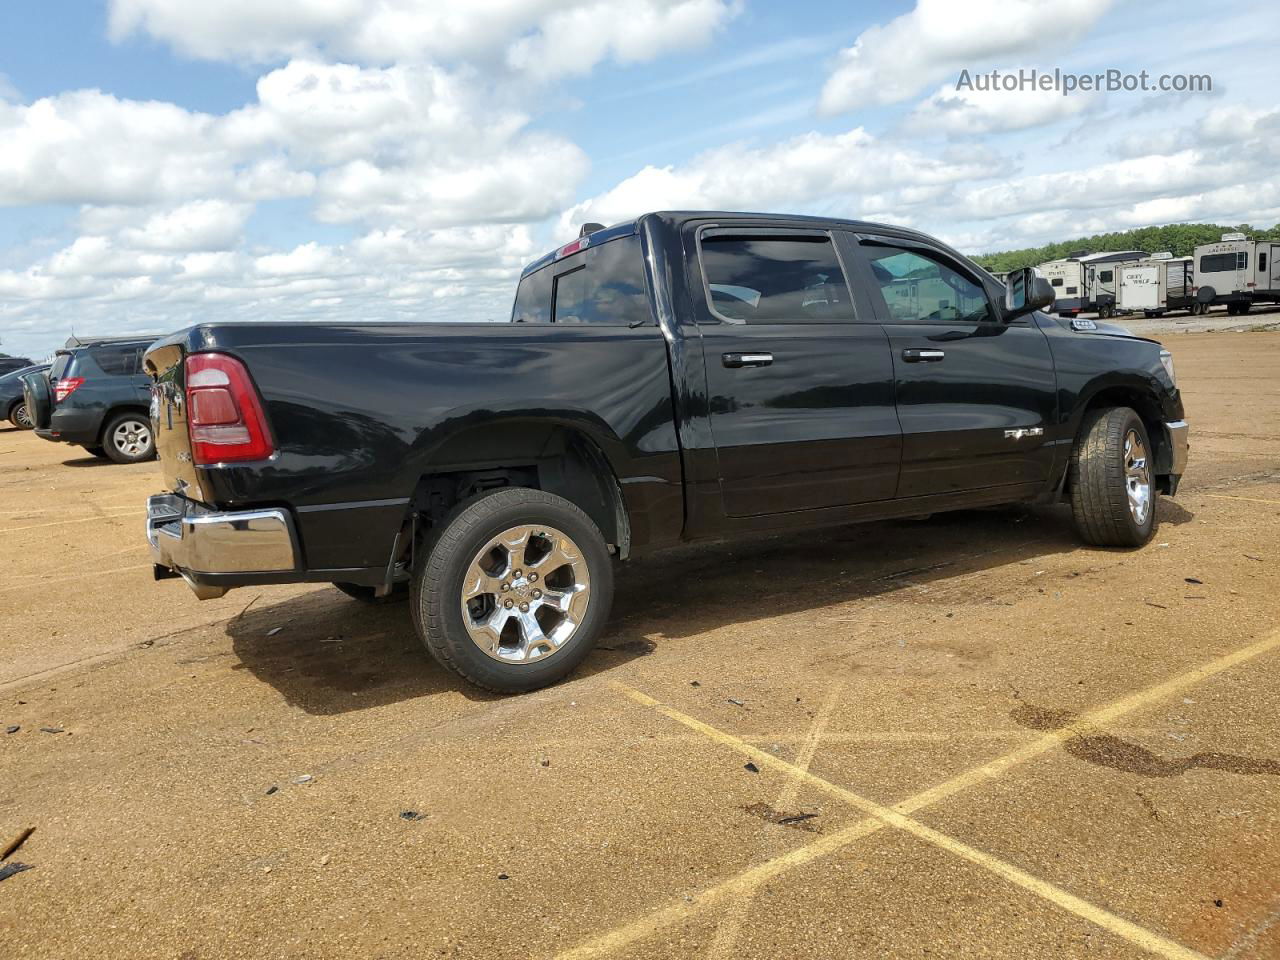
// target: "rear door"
[[976, 396], [800, 380]]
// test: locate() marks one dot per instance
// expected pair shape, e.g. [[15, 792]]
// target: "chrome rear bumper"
[[1178, 445], [196, 542]]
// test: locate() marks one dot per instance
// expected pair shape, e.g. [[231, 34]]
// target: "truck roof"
[[677, 217]]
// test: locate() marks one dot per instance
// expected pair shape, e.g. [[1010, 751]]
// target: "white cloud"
[[846, 174], [198, 225], [542, 37], [895, 61], [90, 147], [969, 113]]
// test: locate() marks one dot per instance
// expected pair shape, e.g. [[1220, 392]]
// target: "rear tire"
[[19, 417], [128, 438], [358, 591], [479, 602], [1114, 500]]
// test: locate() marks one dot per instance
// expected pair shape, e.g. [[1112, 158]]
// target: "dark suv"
[[96, 396], [12, 405]]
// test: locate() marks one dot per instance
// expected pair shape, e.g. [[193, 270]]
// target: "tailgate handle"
[[914, 355], [735, 360]]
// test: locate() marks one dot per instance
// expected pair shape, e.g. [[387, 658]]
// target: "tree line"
[[1180, 239]]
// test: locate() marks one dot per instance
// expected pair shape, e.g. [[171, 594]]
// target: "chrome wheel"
[[525, 594], [1137, 477], [21, 417], [132, 438]]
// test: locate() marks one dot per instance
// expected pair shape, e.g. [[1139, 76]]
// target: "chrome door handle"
[[734, 360], [914, 355]]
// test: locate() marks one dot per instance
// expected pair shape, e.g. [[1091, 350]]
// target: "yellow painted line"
[[892, 817], [59, 523], [730, 926], [751, 878], [1222, 496], [33, 584]]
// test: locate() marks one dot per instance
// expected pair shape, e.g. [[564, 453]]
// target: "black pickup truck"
[[679, 377]]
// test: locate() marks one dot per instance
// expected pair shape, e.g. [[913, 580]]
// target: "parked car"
[[680, 377], [95, 396], [13, 406], [10, 364]]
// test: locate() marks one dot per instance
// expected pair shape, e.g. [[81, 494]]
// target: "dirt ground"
[[962, 737]]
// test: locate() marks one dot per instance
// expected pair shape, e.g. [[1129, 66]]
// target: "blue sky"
[[168, 162]]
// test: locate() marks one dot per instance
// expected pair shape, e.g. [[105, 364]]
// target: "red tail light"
[[65, 388], [224, 414]]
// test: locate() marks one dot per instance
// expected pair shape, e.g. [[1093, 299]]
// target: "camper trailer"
[[1088, 283], [1158, 284], [1237, 271]]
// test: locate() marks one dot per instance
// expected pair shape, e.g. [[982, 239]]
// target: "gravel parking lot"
[[961, 736]]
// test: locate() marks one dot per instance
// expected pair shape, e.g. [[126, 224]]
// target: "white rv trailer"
[[1160, 283], [1237, 271], [1089, 282]]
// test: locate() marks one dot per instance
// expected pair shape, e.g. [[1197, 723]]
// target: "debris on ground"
[[1193, 580], [9, 869], [736, 702], [694, 683], [412, 815], [12, 728], [12, 846], [273, 631], [798, 821], [272, 789], [51, 730], [333, 639], [503, 876], [305, 778], [751, 767]]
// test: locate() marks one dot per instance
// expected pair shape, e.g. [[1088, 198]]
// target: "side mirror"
[[1026, 291]]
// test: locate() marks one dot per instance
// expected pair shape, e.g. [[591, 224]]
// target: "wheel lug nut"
[[524, 608], [537, 594], [508, 604], [506, 587], [533, 577]]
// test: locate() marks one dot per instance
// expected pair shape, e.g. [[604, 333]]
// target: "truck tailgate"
[[169, 421]]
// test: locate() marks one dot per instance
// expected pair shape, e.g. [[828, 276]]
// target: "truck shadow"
[[333, 655]]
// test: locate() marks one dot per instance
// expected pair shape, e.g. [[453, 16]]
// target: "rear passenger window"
[[603, 285], [920, 289], [775, 280], [115, 362]]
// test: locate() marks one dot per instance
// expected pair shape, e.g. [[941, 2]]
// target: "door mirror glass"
[[1026, 290]]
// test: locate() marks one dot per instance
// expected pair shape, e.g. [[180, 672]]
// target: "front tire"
[[128, 438], [515, 590], [1113, 494]]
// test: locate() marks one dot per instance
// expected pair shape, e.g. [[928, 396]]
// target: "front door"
[[800, 385], [976, 396]]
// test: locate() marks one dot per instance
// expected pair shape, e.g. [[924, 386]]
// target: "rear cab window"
[[602, 285], [762, 277]]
